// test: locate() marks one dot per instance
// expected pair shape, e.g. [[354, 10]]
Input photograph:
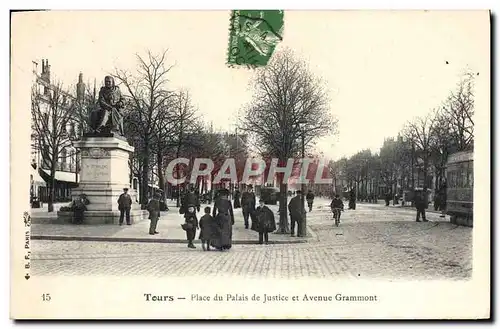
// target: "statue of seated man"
[[109, 118]]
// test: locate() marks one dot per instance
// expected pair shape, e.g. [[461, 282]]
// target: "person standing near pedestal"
[[154, 213], [124, 205], [296, 210]]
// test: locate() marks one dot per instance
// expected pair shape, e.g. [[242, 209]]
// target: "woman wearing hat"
[[224, 219]]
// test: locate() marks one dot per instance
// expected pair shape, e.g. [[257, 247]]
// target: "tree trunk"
[[145, 181], [161, 177], [283, 227], [426, 166], [50, 205]]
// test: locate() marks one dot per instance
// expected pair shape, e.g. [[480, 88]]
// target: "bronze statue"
[[108, 118]]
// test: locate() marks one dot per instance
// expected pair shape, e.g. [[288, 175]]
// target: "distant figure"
[[236, 202], [388, 198], [265, 222], [352, 200], [421, 204], [248, 205], [124, 205], [153, 208], [79, 206], [297, 211], [190, 198], [206, 229], [310, 200]]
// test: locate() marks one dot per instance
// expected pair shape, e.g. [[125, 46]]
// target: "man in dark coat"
[[190, 198], [265, 222], [352, 200], [310, 200], [337, 203], [421, 204], [79, 206], [297, 211], [236, 202], [388, 197], [124, 205], [153, 208], [248, 205]]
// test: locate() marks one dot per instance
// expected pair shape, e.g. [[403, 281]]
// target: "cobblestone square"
[[372, 241]]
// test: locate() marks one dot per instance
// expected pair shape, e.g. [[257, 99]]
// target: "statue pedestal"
[[103, 176]]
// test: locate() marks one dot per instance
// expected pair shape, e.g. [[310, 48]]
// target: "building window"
[[470, 174]]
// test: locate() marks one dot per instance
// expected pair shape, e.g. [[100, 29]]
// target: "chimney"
[[80, 88], [45, 70]]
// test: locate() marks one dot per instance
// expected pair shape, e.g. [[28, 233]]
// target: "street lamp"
[[303, 227]]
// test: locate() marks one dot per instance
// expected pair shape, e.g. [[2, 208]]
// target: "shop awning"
[[62, 176], [36, 179]]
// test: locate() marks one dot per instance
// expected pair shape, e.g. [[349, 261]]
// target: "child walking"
[[190, 225], [206, 223]]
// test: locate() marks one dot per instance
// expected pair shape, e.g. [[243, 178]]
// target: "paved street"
[[373, 241]]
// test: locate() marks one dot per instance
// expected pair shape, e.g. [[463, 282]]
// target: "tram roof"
[[462, 156]]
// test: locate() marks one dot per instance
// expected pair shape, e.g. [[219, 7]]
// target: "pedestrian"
[[248, 205], [352, 200], [79, 206], [310, 200], [265, 222], [387, 199], [237, 195], [443, 200], [190, 225], [223, 221], [421, 204], [124, 205], [153, 208], [297, 211], [190, 198], [337, 205], [206, 229]]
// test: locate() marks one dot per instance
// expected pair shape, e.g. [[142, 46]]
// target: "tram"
[[460, 186]]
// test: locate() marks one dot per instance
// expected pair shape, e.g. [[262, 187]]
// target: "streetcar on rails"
[[460, 187]]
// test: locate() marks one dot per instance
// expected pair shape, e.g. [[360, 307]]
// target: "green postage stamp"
[[253, 36]]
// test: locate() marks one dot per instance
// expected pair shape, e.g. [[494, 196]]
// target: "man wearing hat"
[[297, 211], [153, 208], [124, 205], [248, 202]]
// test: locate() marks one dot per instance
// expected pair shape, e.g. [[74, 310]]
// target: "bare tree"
[[185, 126], [148, 98], [458, 111], [52, 114], [286, 94], [420, 133]]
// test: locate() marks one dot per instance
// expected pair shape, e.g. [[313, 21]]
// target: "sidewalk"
[[169, 230]]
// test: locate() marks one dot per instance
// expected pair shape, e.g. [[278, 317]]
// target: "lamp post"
[[303, 227]]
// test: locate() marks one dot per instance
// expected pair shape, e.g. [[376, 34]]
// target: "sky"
[[382, 68]]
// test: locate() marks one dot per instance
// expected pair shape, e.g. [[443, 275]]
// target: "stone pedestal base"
[[104, 174], [102, 217]]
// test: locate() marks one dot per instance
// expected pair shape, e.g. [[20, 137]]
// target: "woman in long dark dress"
[[224, 220]]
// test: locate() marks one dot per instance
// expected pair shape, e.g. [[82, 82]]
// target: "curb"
[[150, 240]]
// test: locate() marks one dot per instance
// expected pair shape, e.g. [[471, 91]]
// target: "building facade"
[[66, 166]]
